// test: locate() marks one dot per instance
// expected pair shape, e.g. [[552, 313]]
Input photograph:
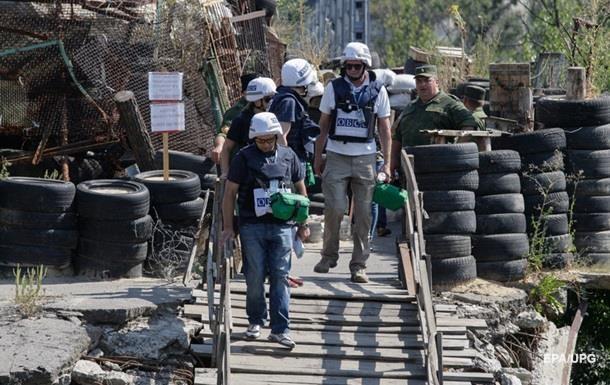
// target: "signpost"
[[166, 108]]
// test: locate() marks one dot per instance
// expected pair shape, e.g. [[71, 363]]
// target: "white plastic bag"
[[385, 75], [402, 83], [399, 101]]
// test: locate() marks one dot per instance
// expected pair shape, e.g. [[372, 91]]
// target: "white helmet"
[[298, 73], [263, 124], [313, 90], [357, 51], [259, 88]]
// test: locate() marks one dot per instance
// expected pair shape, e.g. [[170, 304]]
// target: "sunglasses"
[[265, 141], [357, 67]]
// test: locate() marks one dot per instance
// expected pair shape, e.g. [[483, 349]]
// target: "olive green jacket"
[[442, 112], [480, 116]]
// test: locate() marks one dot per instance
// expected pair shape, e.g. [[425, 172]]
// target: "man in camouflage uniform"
[[431, 110], [474, 98]]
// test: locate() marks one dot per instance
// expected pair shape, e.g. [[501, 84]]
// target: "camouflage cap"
[[427, 70], [475, 93]]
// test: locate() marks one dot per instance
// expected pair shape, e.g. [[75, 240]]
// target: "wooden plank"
[[248, 16], [470, 323], [291, 379], [239, 321], [332, 302], [463, 376], [363, 340], [572, 337], [338, 285], [326, 367], [355, 320], [407, 267], [263, 348], [338, 291], [349, 308]]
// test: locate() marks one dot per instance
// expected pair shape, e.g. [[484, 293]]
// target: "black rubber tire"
[[440, 246], [450, 271], [450, 222], [445, 157], [95, 199], [500, 204], [12, 255], [36, 194], [589, 138], [557, 111], [181, 187], [499, 161], [546, 182], [61, 239], [500, 247], [316, 208], [501, 223], [179, 160], [118, 253], [589, 187], [502, 271], [592, 242], [552, 224], [592, 204], [598, 259], [130, 231], [557, 260], [455, 200], [180, 212], [318, 197], [556, 203], [493, 184], [101, 269], [538, 141], [591, 222], [558, 243], [542, 162], [591, 163], [208, 181], [445, 181], [85, 169], [33, 220]]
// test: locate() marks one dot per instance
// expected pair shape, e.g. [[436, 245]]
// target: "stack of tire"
[[447, 175], [115, 228], [500, 245], [177, 201], [587, 127], [37, 222], [543, 185]]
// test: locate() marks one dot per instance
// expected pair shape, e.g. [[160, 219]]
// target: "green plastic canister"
[[389, 196]]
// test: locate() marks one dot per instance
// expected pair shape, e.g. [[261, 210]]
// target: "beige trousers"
[[359, 172]]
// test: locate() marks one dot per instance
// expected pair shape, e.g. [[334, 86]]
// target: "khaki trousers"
[[359, 172]]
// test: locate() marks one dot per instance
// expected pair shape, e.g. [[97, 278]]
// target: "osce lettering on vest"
[[353, 119]]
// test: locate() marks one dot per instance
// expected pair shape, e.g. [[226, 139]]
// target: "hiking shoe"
[[382, 232], [253, 331], [324, 265], [359, 276], [282, 339]]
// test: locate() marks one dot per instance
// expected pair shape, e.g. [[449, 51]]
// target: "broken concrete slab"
[[90, 373], [553, 343], [112, 302], [155, 338], [39, 351]]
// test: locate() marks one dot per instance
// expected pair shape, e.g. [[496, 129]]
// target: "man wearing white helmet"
[[352, 107], [256, 172], [258, 94], [290, 106]]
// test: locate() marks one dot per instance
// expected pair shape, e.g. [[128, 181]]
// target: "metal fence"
[[61, 63]]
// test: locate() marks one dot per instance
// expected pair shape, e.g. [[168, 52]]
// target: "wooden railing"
[[219, 313], [421, 274]]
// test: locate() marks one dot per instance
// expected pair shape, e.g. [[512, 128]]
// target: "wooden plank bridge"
[[386, 332]]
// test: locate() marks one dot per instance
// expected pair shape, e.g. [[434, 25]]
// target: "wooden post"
[[137, 133], [576, 83], [166, 156]]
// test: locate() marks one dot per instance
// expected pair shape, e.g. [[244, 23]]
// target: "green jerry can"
[[387, 195]]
